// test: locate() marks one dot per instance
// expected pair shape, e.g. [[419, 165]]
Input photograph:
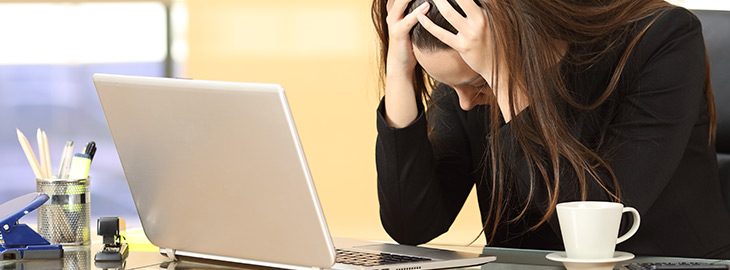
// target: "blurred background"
[[321, 51]]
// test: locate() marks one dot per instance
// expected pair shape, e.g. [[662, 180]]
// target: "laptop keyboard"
[[362, 258], [675, 265]]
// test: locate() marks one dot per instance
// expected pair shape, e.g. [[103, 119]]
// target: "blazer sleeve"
[[422, 187], [660, 102], [661, 111]]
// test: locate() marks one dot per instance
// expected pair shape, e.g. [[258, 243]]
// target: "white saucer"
[[590, 264]]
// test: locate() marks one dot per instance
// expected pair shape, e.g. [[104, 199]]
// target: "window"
[[48, 55]]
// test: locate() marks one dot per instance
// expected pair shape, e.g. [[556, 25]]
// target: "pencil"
[[29, 154], [49, 170], [42, 152]]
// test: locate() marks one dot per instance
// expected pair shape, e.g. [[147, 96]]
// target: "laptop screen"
[[216, 168]]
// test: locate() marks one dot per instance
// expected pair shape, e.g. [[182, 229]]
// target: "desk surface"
[[141, 256]]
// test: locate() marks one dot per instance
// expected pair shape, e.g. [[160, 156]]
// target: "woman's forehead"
[[446, 66]]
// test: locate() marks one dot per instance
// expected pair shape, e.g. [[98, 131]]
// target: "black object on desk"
[[111, 265], [114, 249]]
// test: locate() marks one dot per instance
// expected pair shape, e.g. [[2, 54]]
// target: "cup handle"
[[634, 227]]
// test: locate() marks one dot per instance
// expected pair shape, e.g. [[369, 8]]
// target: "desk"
[[82, 258], [142, 256]]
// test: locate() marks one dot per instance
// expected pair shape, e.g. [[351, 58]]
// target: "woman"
[[537, 102]]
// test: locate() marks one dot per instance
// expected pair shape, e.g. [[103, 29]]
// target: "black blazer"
[[653, 131]]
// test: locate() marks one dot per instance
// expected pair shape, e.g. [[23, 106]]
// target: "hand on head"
[[473, 40], [400, 49], [470, 36]]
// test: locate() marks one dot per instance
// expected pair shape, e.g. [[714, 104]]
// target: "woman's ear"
[[388, 5]]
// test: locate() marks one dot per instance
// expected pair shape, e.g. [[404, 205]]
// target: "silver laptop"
[[217, 171]]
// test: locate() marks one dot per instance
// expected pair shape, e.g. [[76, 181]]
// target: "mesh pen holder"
[[78, 258], [65, 218]]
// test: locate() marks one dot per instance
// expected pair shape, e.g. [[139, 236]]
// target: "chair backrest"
[[716, 29]]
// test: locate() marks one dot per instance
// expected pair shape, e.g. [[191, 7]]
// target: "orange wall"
[[323, 53]]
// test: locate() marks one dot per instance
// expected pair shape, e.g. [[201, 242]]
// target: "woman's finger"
[[411, 19], [450, 14], [398, 8], [442, 34], [471, 9]]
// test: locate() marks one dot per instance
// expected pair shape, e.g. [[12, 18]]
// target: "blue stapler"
[[19, 240]]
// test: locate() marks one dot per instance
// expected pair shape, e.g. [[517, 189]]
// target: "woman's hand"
[[400, 105], [400, 58], [473, 39]]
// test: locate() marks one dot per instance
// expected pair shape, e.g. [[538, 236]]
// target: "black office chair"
[[716, 29]]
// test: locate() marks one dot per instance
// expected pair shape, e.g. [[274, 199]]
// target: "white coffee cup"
[[590, 228]]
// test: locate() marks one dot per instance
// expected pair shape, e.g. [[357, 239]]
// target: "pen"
[[79, 166], [65, 163], [29, 154], [90, 149]]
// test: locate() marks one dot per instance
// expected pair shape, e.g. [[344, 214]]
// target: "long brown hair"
[[525, 32]]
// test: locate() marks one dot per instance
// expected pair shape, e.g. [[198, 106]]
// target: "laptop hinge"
[[170, 253]]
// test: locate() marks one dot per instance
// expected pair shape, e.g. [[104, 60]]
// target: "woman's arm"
[[659, 104], [422, 187], [660, 114], [400, 106]]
